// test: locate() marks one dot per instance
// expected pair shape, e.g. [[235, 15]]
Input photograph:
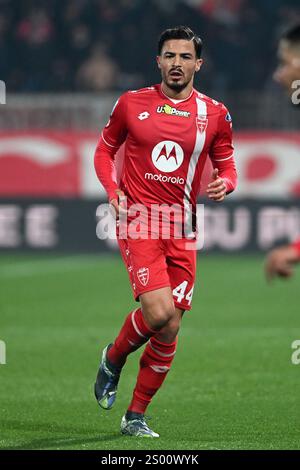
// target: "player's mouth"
[[176, 74]]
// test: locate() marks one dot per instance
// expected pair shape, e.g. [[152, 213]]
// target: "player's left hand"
[[216, 190]]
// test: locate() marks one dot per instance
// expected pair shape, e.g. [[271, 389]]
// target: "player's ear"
[[158, 61], [199, 62]]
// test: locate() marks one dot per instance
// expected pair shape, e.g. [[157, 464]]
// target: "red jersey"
[[296, 246], [167, 143]]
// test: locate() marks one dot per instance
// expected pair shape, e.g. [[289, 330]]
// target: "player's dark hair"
[[292, 34], [180, 32]]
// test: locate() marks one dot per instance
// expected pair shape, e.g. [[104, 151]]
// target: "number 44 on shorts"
[[179, 293]]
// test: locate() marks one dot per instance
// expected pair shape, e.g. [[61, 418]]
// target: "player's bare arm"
[[280, 262]]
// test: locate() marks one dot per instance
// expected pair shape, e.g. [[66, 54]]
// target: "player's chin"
[[176, 84]]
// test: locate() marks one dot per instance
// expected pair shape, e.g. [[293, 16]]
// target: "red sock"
[[155, 363], [133, 334]]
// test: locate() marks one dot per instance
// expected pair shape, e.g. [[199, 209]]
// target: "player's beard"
[[176, 86]]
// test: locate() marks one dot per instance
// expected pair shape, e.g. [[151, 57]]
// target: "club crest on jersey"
[[143, 275], [167, 109], [201, 122]]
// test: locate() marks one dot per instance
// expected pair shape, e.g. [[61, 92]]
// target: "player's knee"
[[160, 314], [173, 326], [169, 332]]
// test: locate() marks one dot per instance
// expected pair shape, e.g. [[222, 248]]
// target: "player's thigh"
[[158, 306], [146, 265]]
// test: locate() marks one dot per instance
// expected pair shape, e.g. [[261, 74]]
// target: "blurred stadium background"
[[64, 293]]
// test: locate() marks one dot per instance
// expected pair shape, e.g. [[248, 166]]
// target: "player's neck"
[[177, 95]]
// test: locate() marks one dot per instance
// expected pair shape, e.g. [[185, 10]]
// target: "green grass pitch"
[[232, 386]]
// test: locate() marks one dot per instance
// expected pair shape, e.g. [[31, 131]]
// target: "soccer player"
[[169, 130], [280, 261]]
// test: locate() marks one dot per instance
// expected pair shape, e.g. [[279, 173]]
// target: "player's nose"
[[177, 61]]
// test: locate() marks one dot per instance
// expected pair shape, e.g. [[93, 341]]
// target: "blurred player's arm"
[[224, 176], [280, 261], [112, 137]]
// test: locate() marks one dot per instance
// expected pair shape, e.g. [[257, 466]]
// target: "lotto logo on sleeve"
[[167, 156]]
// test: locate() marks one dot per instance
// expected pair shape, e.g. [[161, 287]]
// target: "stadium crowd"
[[94, 45]]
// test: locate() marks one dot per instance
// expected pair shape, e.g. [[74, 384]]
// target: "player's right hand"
[[117, 204], [280, 261]]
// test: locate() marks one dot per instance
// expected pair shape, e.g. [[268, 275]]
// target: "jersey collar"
[[170, 99]]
